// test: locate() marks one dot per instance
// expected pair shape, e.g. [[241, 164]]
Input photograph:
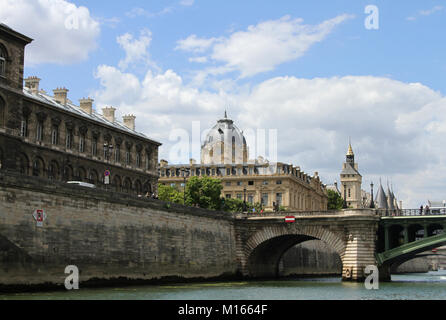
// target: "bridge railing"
[[410, 212]]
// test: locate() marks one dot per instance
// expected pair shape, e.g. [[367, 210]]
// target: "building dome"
[[224, 144]]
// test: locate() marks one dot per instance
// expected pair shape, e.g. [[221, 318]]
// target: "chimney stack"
[[33, 84], [129, 121], [86, 105], [60, 95], [109, 113]]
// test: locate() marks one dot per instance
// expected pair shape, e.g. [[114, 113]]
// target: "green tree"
[[204, 192], [169, 194], [335, 201]]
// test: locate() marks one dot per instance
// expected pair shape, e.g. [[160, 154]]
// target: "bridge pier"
[[359, 251], [384, 273]]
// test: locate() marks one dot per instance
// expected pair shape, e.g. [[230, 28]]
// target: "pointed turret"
[[381, 198]]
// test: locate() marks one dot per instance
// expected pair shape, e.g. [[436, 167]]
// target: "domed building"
[[224, 144], [225, 155]]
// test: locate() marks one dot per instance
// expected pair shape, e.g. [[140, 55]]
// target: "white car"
[[82, 184]]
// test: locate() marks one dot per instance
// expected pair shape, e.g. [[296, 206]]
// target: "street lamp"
[[372, 203], [244, 199], [185, 171]]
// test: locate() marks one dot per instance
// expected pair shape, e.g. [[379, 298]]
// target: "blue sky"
[[307, 68]]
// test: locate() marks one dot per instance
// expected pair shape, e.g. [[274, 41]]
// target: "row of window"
[[55, 171], [264, 200], [109, 151], [3, 57]]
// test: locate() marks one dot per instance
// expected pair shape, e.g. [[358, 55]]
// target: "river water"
[[429, 286]]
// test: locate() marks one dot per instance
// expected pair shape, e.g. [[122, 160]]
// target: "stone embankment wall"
[[106, 235]]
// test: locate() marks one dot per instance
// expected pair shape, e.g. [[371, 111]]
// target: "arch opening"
[[267, 259]]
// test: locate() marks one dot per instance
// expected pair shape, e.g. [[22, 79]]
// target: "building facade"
[[224, 155], [48, 136]]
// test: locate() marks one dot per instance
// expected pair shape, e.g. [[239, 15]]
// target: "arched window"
[[116, 184], [82, 174], [53, 170], [127, 187], [23, 164], [147, 188], [3, 57], [38, 167], [138, 187], [93, 177], [68, 173], [2, 112]]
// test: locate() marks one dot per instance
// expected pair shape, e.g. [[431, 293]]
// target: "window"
[[279, 182], [24, 127], [251, 171], [55, 135], [239, 196], [265, 199], [94, 147], [82, 143], [69, 138], [250, 198], [2, 112], [228, 172], [265, 183], [148, 161], [250, 183], [118, 153], [279, 199], [349, 193], [2, 62], [127, 157], [228, 184], [228, 196], [39, 135], [239, 183]]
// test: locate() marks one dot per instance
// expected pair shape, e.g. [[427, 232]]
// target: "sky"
[[318, 72]]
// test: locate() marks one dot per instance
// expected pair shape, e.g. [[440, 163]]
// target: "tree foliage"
[[335, 201]]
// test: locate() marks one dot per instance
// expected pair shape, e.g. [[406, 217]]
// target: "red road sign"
[[107, 173], [290, 219]]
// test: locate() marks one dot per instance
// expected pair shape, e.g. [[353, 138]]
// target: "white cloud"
[[431, 11], [187, 3], [64, 33], [262, 47], [426, 12], [136, 50]]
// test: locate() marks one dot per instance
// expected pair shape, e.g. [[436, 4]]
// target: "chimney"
[[129, 121], [109, 113], [33, 84], [192, 162], [60, 95], [86, 105]]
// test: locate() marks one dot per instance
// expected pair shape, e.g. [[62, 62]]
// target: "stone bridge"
[[262, 240]]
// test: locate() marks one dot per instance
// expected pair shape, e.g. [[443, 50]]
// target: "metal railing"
[[411, 212]]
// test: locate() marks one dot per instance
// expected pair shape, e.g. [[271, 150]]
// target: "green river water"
[[424, 286]]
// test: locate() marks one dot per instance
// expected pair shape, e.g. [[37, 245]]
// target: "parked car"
[[82, 184]]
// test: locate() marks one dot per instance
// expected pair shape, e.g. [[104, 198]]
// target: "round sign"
[[107, 173]]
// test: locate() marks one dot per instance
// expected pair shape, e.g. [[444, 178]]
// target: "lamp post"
[[184, 171], [244, 199], [372, 203]]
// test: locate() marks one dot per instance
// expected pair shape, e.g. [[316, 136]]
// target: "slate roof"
[[70, 107]]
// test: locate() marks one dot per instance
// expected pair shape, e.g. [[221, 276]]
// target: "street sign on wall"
[[290, 219], [107, 177], [40, 216]]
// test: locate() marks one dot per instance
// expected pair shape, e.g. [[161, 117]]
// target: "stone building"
[[351, 181], [48, 136], [224, 155]]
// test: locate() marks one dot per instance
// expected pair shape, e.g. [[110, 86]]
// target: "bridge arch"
[[265, 248]]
